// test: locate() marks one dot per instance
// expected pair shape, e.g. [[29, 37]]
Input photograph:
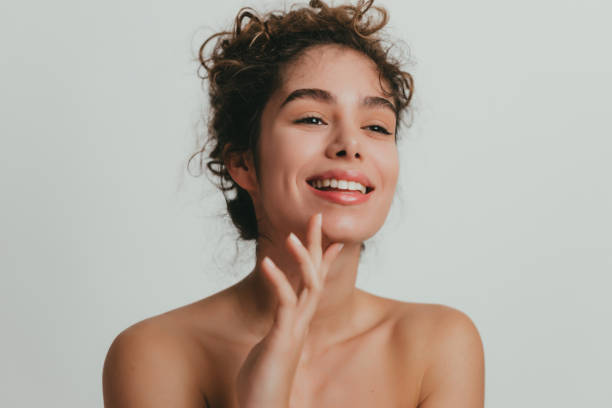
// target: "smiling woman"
[[306, 107]]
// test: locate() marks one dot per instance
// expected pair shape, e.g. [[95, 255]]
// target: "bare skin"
[[297, 332], [381, 363]]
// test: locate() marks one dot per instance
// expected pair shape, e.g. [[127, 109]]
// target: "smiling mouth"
[[346, 186]]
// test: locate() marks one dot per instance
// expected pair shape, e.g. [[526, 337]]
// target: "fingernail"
[[341, 246], [293, 238], [319, 218]]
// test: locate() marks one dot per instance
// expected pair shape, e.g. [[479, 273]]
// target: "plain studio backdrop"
[[503, 211]]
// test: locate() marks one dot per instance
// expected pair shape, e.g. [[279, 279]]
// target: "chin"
[[348, 229]]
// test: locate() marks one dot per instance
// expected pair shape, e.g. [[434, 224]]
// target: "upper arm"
[[147, 367], [455, 374]]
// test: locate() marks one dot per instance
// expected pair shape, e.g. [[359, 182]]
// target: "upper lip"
[[340, 174]]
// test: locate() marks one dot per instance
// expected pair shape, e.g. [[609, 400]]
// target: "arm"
[[455, 375], [146, 367]]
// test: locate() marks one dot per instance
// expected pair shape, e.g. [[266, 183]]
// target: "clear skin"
[[306, 137], [296, 332]]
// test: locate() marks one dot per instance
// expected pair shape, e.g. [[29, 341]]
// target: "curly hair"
[[244, 68]]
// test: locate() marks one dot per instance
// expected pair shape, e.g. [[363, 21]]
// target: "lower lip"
[[341, 197]]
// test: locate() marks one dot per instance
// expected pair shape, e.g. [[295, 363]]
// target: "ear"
[[241, 167]]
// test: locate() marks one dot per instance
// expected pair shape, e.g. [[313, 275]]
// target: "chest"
[[363, 379], [362, 374]]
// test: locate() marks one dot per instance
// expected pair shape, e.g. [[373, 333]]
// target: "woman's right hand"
[[266, 376]]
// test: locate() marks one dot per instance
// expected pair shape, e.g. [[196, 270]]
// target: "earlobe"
[[241, 168]]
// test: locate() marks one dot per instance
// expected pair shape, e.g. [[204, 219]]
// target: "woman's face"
[[328, 121]]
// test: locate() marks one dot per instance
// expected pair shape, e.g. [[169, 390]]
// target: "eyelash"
[[307, 120]]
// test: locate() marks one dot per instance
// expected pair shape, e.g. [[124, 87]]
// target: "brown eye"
[[378, 128], [311, 120]]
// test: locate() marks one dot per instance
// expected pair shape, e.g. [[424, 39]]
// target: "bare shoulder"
[[447, 344], [433, 322], [154, 363]]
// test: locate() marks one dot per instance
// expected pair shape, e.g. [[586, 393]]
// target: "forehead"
[[332, 66]]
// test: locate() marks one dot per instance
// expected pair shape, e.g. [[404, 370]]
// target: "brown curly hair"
[[244, 68]]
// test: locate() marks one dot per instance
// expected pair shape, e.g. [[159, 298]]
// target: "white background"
[[504, 209]]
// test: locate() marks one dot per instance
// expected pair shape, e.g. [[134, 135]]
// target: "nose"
[[345, 144]]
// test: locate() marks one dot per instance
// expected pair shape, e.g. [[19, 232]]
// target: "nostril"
[[341, 153]]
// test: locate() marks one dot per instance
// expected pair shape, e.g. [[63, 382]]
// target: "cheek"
[[394, 170], [283, 155], [388, 166], [286, 148]]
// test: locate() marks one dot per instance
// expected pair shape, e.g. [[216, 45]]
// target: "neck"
[[337, 304]]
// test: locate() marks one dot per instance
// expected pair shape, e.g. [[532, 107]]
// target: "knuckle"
[[305, 263], [289, 304], [317, 287]]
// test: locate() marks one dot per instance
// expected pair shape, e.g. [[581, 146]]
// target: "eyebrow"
[[326, 97]]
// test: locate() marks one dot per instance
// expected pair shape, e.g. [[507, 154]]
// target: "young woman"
[[305, 111]]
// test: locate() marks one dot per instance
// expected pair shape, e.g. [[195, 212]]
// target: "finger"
[[303, 298], [282, 287], [304, 260], [307, 307], [331, 253], [313, 237]]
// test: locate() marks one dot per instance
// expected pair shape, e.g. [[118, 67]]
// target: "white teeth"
[[339, 184]]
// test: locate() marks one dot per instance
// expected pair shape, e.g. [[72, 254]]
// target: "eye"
[[378, 128], [311, 120]]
